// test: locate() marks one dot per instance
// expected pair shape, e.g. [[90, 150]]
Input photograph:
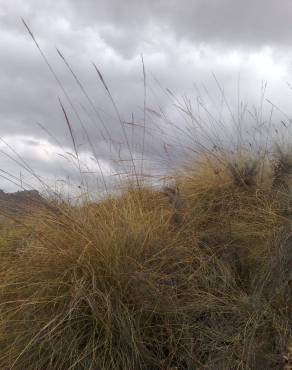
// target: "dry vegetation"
[[197, 276]]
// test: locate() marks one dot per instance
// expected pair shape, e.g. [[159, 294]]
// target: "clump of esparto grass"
[[126, 284], [282, 168], [102, 286]]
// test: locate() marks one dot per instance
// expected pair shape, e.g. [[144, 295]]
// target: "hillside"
[[20, 201]]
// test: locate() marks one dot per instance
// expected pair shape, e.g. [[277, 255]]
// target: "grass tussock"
[[196, 276]]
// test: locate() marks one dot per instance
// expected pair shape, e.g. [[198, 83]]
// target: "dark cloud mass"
[[251, 23], [182, 41]]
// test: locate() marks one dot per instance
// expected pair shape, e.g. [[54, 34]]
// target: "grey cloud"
[[250, 23], [182, 42], [125, 25]]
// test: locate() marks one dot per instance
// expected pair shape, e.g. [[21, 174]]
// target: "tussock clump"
[[196, 276], [244, 173], [101, 286], [282, 169]]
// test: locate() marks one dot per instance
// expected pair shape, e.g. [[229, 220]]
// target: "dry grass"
[[192, 277]]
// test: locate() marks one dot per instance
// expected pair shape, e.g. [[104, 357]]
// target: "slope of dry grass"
[[196, 276]]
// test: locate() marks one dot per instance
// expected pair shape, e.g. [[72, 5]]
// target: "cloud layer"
[[182, 42]]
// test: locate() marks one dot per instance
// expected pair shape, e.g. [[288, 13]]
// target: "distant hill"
[[19, 202]]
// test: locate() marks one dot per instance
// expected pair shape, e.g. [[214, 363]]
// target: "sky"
[[141, 67]]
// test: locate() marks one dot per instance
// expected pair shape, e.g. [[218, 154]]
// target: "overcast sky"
[[194, 48]]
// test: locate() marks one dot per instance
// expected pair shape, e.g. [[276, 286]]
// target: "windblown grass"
[[196, 276]]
